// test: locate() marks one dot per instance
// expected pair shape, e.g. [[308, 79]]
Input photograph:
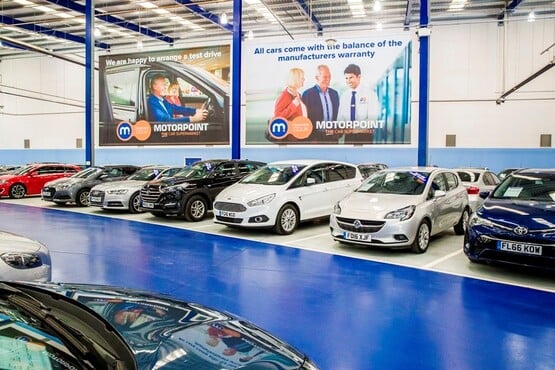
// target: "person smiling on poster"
[[161, 110], [322, 103], [289, 104], [358, 103]]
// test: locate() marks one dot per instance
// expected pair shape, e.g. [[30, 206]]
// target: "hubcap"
[[197, 209], [423, 237], [84, 198], [18, 191], [288, 220], [136, 204]]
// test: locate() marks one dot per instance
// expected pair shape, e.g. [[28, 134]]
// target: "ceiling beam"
[[508, 9], [306, 9], [69, 4], [205, 14], [26, 46], [48, 31]]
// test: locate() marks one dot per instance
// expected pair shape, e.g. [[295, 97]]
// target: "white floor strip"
[[307, 238], [444, 258]]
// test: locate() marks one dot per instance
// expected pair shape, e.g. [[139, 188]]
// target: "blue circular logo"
[[278, 128], [124, 131]]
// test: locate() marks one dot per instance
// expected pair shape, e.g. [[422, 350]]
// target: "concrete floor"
[[347, 307]]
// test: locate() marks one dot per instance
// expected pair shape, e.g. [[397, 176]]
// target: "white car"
[[23, 259], [477, 180], [125, 194], [402, 208], [280, 195]]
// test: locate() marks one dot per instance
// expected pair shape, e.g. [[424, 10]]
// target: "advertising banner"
[[334, 91], [174, 97]]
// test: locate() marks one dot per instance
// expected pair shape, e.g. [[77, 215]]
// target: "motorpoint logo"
[[300, 128], [141, 130]]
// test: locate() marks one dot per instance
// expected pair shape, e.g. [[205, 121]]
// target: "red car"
[[30, 179]]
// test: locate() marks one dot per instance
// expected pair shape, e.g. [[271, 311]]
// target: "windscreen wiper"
[[89, 354]]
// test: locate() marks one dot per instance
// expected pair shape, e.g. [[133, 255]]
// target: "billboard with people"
[[175, 96], [317, 91]]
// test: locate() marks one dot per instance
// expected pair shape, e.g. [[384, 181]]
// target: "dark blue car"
[[516, 223]]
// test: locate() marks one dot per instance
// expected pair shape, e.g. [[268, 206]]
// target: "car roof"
[[535, 171], [309, 162], [418, 168]]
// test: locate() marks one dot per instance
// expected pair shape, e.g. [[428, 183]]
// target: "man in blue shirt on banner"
[[358, 103], [160, 110], [322, 104]]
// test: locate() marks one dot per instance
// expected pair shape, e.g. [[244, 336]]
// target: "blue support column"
[[236, 80], [89, 83], [423, 83]]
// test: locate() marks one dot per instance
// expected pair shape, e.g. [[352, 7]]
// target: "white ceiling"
[[58, 26]]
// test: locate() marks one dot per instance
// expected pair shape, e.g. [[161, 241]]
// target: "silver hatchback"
[[402, 208]]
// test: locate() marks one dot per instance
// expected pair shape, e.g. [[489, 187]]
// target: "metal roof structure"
[[58, 26]]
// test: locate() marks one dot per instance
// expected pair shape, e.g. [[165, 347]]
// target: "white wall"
[[471, 65]]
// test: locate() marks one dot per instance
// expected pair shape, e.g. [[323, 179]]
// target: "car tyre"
[[287, 220], [82, 198], [17, 191], [460, 227], [135, 203], [422, 239], [195, 208]]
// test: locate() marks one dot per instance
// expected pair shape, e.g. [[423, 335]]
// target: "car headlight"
[[63, 186], [21, 260], [337, 209], [475, 220], [118, 191], [168, 189], [262, 200], [401, 214]]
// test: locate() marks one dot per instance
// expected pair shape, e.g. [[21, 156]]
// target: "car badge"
[[357, 224], [520, 230]]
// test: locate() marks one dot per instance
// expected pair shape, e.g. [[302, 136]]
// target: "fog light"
[[400, 237], [258, 219]]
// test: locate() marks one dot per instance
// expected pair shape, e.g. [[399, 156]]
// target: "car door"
[[222, 176], [441, 207], [310, 193], [340, 181], [457, 197]]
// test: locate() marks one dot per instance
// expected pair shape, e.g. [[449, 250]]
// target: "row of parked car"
[[369, 204]]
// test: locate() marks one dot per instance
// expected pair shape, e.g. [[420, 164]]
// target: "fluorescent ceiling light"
[[456, 5], [63, 15], [148, 5], [44, 8], [161, 11], [23, 2], [531, 16], [223, 18], [377, 6], [357, 8]]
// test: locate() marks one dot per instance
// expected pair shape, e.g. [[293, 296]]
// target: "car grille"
[[230, 207], [542, 262], [229, 219], [367, 226], [99, 195], [150, 193]]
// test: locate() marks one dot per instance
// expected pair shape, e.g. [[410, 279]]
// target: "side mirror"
[[483, 194], [439, 193]]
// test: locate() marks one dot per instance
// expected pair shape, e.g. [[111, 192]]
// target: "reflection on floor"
[[346, 313]]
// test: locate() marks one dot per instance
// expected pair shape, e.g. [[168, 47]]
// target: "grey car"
[[23, 259], [76, 188], [402, 208]]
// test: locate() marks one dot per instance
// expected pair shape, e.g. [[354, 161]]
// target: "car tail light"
[[472, 190]]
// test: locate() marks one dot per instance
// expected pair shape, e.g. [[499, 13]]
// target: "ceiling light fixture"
[[531, 16], [223, 18], [139, 44], [331, 42], [377, 6], [97, 32], [250, 35], [379, 26]]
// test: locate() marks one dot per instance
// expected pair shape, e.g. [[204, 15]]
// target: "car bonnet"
[[15, 243], [535, 215]]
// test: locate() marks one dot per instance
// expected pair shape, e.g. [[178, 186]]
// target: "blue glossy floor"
[[346, 313]]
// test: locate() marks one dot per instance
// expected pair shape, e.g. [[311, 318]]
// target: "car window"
[[438, 182], [122, 87], [393, 182], [225, 169], [490, 179], [527, 187], [466, 176], [451, 180], [114, 172], [318, 173], [247, 167], [338, 172], [277, 174]]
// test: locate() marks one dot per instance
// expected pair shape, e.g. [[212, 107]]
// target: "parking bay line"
[[307, 238], [439, 260]]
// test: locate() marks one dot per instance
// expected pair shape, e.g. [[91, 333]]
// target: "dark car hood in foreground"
[[170, 334], [535, 215]]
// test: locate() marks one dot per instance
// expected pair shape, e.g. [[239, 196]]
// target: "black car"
[[516, 222], [191, 192], [76, 188], [91, 327]]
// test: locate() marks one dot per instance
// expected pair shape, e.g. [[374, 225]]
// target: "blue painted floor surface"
[[346, 313]]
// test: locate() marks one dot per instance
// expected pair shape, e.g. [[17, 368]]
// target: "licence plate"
[[357, 236], [95, 199], [46, 193], [521, 248], [148, 205], [226, 214]]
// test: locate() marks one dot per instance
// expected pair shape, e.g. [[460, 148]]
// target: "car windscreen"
[[145, 174], [469, 176], [86, 173], [197, 170], [391, 182], [538, 187], [23, 170], [277, 174]]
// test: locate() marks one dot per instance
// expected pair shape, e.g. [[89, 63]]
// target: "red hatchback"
[[30, 179]]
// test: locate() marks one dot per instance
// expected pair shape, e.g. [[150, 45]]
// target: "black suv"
[[191, 191]]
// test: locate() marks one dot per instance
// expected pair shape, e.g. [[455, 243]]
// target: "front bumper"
[[108, 201], [376, 233], [241, 215]]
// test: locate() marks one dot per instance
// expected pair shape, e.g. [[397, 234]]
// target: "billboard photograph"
[[170, 97], [343, 91]]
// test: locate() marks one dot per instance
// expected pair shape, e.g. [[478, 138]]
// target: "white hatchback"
[[280, 195]]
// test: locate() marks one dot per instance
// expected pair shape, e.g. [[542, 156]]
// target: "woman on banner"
[[289, 104]]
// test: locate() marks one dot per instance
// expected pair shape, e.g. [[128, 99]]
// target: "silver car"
[[477, 180], [402, 208], [125, 194], [23, 259]]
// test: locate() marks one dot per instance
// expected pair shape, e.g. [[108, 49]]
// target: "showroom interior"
[[460, 83]]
